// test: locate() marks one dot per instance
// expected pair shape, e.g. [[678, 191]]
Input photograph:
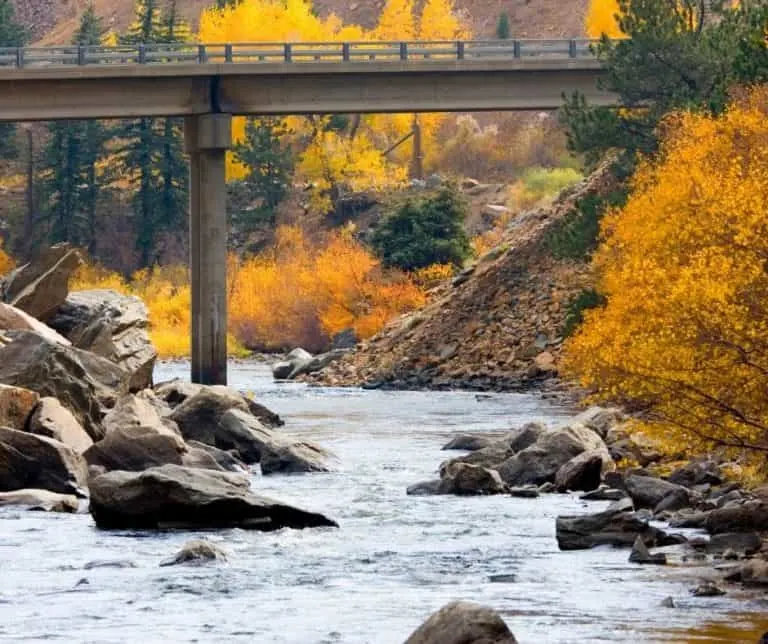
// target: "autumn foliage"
[[601, 19], [684, 332], [6, 263]]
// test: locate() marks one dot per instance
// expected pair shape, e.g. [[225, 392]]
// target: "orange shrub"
[[6, 262]]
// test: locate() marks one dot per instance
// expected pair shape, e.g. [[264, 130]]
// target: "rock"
[[540, 462], [301, 362], [136, 448], [172, 496], [16, 406], [750, 517], [281, 370], [465, 479], [582, 472], [83, 382], [697, 473], [137, 411], [525, 492], [109, 563], [289, 457], [600, 419], [298, 354], [647, 491], [688, 519], [425, 488], [346, 339], [667, 602], [40, 500], [744, 543], [196, 551], [674, 501], [616, 526], [40, 287], [731, 496], [225, 461], [463, 622], [52, 419], [603, 493], [751, 573], [29, 461], [471, 442], [493, 455], [15, 319], [707, 589], [641, 555]]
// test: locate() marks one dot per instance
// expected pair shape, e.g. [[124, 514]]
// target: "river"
[[394, 560]]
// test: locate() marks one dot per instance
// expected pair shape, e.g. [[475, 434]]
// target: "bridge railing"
[[300, 52]]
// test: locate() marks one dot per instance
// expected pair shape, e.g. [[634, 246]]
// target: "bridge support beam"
[[207, 138]]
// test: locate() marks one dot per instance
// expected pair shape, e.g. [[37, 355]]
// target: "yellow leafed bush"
[[684, 268], [6, 262], [601, 19]]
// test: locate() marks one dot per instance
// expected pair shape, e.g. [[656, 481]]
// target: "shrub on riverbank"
[[683, 268]]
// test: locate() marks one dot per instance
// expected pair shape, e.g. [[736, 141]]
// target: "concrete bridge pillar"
[[207, 138]]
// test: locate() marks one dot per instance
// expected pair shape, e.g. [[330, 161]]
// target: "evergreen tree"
[[269, 169], [71, 185], [12, 34], [502, 27], [153, 150]]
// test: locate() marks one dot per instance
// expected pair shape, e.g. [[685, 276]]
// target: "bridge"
[[209, 83]]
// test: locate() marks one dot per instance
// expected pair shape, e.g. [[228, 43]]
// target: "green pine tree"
[[71, 184], [12, 34], [502, 27]]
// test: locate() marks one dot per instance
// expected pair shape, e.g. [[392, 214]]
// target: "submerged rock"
[[463, 622], [179, 497], [196, 551], [707, 589]]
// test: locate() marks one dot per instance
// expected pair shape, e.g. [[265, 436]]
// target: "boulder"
[[52, 419], [600, 419], [466, 479], [697, 473], [16, 406], [113, 326], [493, 455], [135, 448], [540, 462], [616, 526], [179, 497], [40, 287], [648, 491], [83, 382], [283, 456], [641, 555], [281, 370], [583, 472], [299, 362], [743, 543], [15, 319], [463, 622], [223, 425], [43, 500], [688, 519], [136, 411], [752, 516], [212, 458], [751, 573], [196, 551], [425, 488], [603, 493], [471, 442], [707, 589], [29, 461]]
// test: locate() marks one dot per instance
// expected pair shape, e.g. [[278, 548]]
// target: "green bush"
[[425, 231], [539, 183], [589, 299]]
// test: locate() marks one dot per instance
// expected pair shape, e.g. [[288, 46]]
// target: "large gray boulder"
[[291, 457], [113, 326], [13, 319], [29, 461], [463, 622], [752, 516], [540, 462], [52, 419], [16, 406], [136, 448], [41, 286], [202, 455], [584, 472], [172, 496], [84, 383], [133, 410], [299, 362], [648, 491]]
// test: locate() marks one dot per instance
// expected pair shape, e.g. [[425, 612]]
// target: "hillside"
[[53, 23]]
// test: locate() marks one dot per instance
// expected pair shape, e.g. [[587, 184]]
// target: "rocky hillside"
[[498, 326], [54, 23]]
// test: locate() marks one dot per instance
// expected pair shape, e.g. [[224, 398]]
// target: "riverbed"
[[394, 560]]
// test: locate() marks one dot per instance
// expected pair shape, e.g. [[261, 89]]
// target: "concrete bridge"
[[208, 84]]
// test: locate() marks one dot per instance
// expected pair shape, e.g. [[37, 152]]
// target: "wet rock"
[[648, 492], [616, 526], [525, 492], [109, 563], [707, 589], [135, 448], [493, 455], [225, 461], [178, 497], [41, 286], [83, 382], [729, 497], [689, 519], [641, 555], [43, 500], [301, 362], [751, 573], [425, 488], [196, 551], [16, 406], [466, 479], [603, 493], [752, 516], [138, 411], [463, 622], [15, 319], [697, 473], [667, 602], [53, 420], [583, 472], [281, 370], [744, 543], [540, 462], [113, 326], [29, 461], [290, 457], [471, 442], [674, 501]]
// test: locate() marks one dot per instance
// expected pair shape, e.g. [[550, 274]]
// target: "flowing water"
[[394, 560]]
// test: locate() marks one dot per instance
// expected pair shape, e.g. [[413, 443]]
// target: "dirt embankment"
[[498, 326]]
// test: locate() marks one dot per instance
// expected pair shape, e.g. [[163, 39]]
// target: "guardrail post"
[[227, 53], [345, 52], [516, 49], [81, 51], [202, 54], [287, 52], [142, 54], [403, 51], [460, 50], [572, 49], [19, 56]]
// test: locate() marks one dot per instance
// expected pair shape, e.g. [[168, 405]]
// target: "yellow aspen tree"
[[601, 19], [440, 21], [396, 22]]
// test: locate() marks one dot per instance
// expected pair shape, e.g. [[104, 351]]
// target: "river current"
[[394, 560]]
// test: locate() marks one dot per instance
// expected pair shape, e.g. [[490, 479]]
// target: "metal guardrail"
[[300, 52]]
